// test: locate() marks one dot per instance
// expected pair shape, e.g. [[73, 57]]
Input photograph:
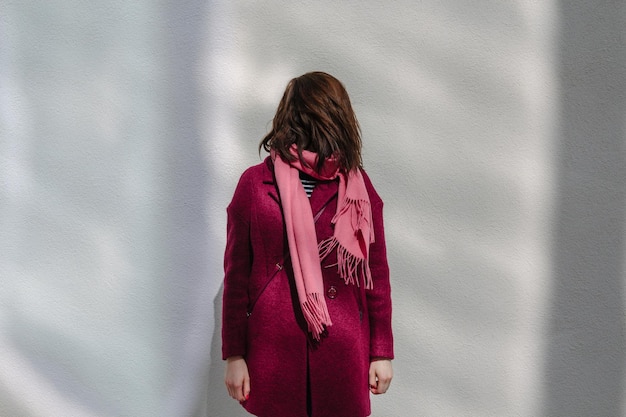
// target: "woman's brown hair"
[[315, 113]]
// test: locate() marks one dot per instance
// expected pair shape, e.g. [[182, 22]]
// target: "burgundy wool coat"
[[262, 320]]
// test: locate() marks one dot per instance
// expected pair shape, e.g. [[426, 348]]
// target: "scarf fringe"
[[316, 314], [360, 208], [351, 268]]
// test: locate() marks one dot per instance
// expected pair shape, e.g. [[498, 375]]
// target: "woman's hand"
[[380, 375], [237, 378]]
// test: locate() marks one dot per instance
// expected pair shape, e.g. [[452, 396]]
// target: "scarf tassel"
[[316, 314], [350, 267], [359, 210]]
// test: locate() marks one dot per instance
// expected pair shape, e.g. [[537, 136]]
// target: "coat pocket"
[[277, 268]]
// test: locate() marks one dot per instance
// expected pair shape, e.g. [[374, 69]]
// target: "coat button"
[[332, 292]]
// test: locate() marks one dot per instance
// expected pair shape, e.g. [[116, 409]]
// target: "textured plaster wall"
[[494, 131]]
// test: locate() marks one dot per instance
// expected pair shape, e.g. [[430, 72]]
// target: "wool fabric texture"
[[353, 232]]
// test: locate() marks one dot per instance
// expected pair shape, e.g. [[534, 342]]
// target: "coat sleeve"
[[237, 267], [379, 298]]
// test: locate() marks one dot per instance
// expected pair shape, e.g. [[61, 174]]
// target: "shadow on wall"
[[183, 238], [585, 359]]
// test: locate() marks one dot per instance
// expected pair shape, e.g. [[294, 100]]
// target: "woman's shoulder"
[[371, 190], [259, 172], [254, 170], [252, 177]]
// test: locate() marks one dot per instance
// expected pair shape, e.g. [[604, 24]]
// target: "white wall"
[[493, 130]]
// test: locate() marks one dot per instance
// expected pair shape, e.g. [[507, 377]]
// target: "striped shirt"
[[308, 183]]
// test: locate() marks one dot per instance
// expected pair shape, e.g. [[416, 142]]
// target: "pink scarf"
[[352, 236]]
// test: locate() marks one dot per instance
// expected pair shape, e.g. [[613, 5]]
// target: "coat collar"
[[268, 179]]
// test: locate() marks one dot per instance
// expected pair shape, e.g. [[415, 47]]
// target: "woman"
[[307, 309]]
